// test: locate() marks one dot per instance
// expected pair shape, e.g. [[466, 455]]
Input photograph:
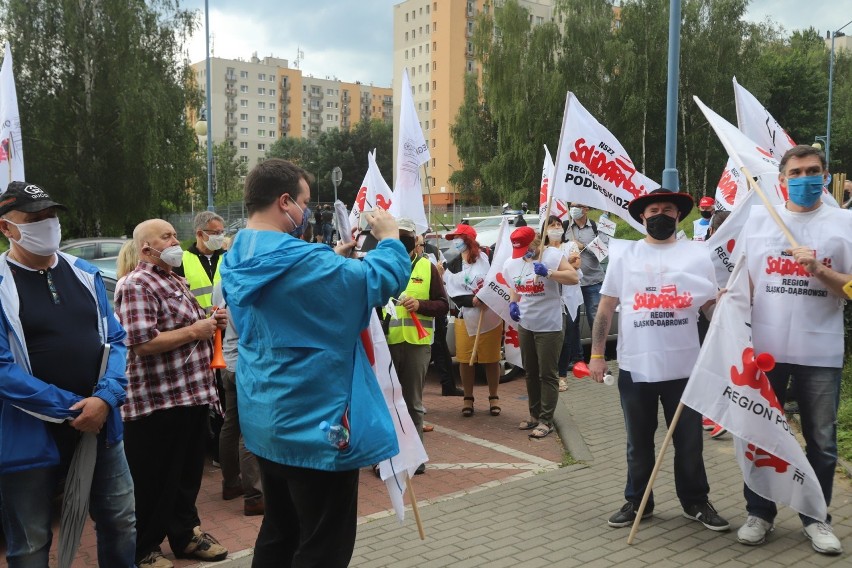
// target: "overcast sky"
[[353, 39]]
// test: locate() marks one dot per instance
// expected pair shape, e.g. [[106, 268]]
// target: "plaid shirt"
[[152, 300]]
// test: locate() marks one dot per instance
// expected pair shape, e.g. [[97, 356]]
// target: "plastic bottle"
[[608, 379], [337, 435]]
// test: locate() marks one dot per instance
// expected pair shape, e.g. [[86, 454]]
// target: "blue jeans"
[[817, 390], [591, 299], [27, 499], [572, 350], [640, 402]]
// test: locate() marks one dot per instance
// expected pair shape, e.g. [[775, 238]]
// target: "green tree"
[[475, 137], [103, 92], [230, 172]]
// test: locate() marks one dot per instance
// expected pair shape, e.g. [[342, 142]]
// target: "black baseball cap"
[[26, 197]]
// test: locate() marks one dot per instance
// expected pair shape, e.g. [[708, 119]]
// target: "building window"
[[433, 142], [406, 36], [244, 131], [243, 103], [271, 92], [427, 102], [271, 120], [261, 119], [272, 134], [261, 105], [261, 133], [261, 91], [244, 88], [406, 16], [434, 85], [272, 78], [243, 145], [244, 159], [329, 117], [427, 48], [261, 147], [427, 8], [271, 106], [427, 86], [244, 117], [243, 74], [434, 104], [328, 104], [261, 76], [433, 123], [434, 65], [406, 54]]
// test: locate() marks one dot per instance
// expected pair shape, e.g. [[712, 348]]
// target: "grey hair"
[[205, 217]]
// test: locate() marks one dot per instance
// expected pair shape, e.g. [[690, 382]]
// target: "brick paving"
[[491, 497]]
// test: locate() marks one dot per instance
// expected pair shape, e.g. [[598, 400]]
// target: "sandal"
[[467, 411], [495, 408], [528, 424], [563, 384], [541, 431]]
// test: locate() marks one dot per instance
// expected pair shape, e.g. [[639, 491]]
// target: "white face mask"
[[41, 237], [555, 236], [576, 212], [173, 255], [215, 242], [458, 244]]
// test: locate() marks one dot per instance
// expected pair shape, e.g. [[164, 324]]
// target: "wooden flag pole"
[[476, 339], [772, 212], [654, 472], [410, 490]]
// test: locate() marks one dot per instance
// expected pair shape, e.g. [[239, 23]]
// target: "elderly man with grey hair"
[[201, 262]]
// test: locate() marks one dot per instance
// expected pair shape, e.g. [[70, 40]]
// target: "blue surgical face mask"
[[458, 244], [804, 191], [299, 228], [529, 254]]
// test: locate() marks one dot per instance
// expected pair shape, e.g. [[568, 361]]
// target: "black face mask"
[[661, 226], [706, 214], [408, 243]]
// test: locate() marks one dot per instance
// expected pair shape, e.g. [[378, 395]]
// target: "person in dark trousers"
[[327, 225], [442, 361]]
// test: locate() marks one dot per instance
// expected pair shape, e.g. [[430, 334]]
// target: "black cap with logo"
[[26, 197]]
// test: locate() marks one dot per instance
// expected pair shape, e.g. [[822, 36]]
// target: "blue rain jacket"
[[299, 309], [26, 402]]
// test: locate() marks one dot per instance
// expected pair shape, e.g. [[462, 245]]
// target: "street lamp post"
[[830, 87], [670, 177], [210, 206], [454, 195]]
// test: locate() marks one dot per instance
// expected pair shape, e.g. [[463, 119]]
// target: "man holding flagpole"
[[797, 316], [660, 283]]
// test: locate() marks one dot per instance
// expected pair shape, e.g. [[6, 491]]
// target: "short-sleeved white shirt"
[[794, 317], [660, 287], [540, 299]]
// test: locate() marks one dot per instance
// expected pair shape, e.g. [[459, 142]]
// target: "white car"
[[488, 228]]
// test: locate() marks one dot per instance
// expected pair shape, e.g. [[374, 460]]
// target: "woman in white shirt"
[[463, 278], [536, 303]]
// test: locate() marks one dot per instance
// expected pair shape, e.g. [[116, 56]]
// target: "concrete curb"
[[570, 434]]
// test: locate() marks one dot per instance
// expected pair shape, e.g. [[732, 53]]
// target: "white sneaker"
[[822, 538], [754, 531]]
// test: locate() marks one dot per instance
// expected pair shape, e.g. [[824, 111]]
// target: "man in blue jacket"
[[56, 322], [299, 309]]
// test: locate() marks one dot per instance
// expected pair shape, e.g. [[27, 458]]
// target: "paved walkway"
[[491, 497]]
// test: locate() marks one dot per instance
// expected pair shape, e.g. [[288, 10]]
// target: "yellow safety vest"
[[402, 329], [199, 282]]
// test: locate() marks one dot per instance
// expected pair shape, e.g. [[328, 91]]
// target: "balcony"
[[285, 126], [230, 92], [285, 83], [230, 78], [315, 120], [231, 135], [315, 94], [346, 97], [231, 120], [345, 110], [388, 101], [231, 106]]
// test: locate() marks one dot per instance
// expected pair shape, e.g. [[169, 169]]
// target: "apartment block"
[[433, 39], [255, 102]]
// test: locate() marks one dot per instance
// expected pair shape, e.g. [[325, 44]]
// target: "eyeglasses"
[[52, 287]]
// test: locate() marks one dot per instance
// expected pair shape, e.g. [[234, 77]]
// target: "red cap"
[[462, 229], [706, 202], [521, 239]]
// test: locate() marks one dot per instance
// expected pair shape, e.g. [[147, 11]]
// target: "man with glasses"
[[201, 262]]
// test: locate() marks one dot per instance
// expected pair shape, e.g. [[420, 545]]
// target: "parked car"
[[93, 248], [488, 228]]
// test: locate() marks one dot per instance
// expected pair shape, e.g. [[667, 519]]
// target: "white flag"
[[758, 124], [396, 471], [593, 168], [729, 386], [558, 208], [495, 291], [11, 145], [411, 153], [732, 187], [374, 192]]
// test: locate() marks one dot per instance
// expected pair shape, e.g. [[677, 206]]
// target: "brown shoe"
[[229, 493], [203, 547], [253, 508], [155, 560]]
